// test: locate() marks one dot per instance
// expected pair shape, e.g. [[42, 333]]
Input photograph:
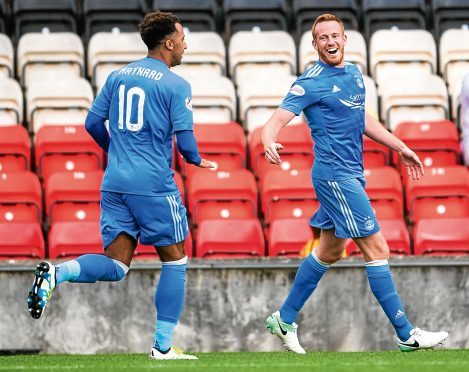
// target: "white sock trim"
[[122, 265], [182, 261], [377, 263], [315, 256]]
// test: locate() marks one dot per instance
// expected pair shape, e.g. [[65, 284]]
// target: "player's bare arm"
[[378, 133], [279, 119]]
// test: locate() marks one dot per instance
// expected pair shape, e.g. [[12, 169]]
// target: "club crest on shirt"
[[189, 103], [359, 81], [297, 90], [369, 224]]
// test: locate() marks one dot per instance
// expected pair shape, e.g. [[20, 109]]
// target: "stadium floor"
[[390, 361]]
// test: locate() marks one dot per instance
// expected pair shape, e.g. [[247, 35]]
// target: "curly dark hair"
[[156, 27]]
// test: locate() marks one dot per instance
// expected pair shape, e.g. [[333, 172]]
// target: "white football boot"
[[285, 332], [420, 340], [42, 288], [173, 354]]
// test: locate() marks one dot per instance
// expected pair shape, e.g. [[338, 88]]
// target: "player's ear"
[[169, 44]]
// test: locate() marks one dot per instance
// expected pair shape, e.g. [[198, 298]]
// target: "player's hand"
[[412, 163], [271, 153], [207, 164]]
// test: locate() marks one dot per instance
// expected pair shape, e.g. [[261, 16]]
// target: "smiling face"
[[329, 40]]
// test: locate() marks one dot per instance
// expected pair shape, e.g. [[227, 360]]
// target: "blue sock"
[[90, 268], [306, 280], [382, 286], [169, 298]]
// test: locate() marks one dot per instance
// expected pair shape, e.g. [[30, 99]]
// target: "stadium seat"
[[294, 208], [105, 15], [396, 235], [35, 15], [429, 137], [355, 50], [259, 97], [21, 240], [404, 14], [454, 90], [222, 194], [64, 188], [242, 15], [225, 144], [22, 191], [452, 181], [109, 51], [297, 153], [61, 102], [11, 102], [72, 239], [394, 52], [371, 98], [204, 56], [148, 251], [65, 148], [418, 97], [275, 54], [442, 208], [213, 241], [15, 149], [306, 11], [287, 237], [214, 102], [448, 236], [454, 53], [49, 56], [384, 183], [449, 14], [6, 56], [374, 154], [200, 15], [279, 189], [180, 185]]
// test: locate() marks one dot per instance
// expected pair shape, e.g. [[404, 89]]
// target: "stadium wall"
[[227, 303]]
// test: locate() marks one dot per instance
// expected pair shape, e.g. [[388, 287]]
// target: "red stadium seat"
[[148, 251], [70, 211], [21, 240], [21, 191], [230, 239], [297, 152], [431, 136], [384, 183], [448, 236], [223, 162], [15, 149], [222, 143], [292, 209], [281, 191], [64, 188], [441, 208], [288, 236], [438, 182], [396, 235], [374, 154], [180, 185], [212, 193], [66, 148], [72, 239]]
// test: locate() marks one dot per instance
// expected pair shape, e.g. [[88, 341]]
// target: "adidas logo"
[[399, 314], [335, 89]]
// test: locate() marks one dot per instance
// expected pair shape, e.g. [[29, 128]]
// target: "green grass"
[[389, 361]]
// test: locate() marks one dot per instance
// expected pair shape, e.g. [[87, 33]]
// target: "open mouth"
[[332, 51]]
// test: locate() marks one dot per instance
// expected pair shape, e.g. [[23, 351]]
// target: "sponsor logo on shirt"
[[335, 89], [189, 103], [297, 90]]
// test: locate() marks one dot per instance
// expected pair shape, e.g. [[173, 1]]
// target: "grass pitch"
[[389, 361]]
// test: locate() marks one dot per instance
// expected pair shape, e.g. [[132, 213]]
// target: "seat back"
[[11, 102], [6, 56], [15, 149]]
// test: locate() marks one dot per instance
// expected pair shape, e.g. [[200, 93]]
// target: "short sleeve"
[[181, 107], [297, 98], [103, 101]]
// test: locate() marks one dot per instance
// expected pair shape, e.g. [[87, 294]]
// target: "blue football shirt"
[[145, 103], [333, 101]]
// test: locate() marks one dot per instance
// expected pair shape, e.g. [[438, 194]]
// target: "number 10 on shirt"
[[125, 108]]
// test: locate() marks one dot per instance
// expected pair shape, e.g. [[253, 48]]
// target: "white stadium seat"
[[6, 56], [11, 102], [454, 55], [371, 99], [57, 55]]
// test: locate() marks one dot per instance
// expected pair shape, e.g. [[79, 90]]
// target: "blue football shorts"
[[345, 206], [156, 220]]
